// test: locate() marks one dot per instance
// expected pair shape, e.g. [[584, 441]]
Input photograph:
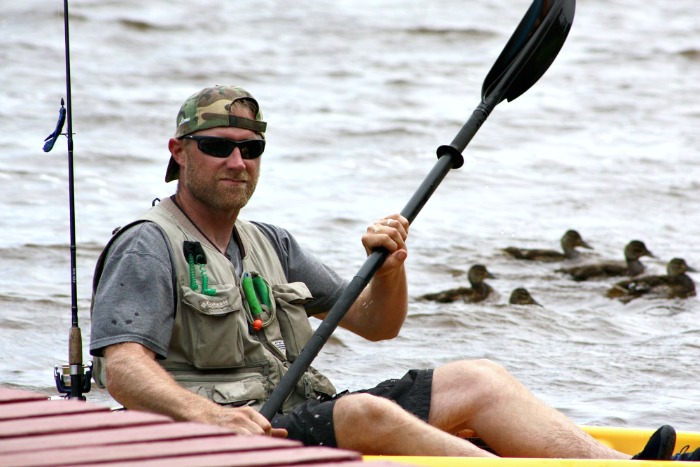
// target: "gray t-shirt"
[[135, 300]]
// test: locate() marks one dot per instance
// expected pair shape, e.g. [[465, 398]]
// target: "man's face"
[[220, 183]]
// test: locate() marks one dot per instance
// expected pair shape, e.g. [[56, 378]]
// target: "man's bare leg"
[[373, 425], [482, 396]]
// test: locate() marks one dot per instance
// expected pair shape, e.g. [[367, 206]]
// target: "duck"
[[569, 241], [631, 267], [521, 296], [674, 284], [478, 291]]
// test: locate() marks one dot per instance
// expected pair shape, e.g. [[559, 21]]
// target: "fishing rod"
[[72, 380]]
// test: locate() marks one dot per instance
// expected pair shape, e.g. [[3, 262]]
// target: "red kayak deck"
[[35, 431]]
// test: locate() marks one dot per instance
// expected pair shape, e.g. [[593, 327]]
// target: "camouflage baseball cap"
[[210, 108]]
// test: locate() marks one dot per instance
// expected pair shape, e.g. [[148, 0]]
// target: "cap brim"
[[173, 171]]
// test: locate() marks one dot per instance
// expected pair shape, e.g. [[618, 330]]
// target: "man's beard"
[[220, 196]]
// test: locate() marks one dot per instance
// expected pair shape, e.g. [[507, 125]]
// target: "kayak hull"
[[627, 440]]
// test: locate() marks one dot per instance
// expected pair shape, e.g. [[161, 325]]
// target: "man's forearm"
[[137, 381], [380, 310]]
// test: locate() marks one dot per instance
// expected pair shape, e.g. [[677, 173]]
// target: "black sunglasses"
[[222, 147]]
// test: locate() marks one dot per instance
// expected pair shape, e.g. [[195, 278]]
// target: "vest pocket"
[[239, 390], [293, 321], [249, 390], [214, 331], [321, 385]]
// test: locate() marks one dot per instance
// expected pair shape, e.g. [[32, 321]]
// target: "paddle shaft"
[[451, 157], [373, 262]]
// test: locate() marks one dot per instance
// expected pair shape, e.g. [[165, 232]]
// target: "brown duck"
[[521, 296], [569, 241], [674, 284], [630, 267], [478, 291]]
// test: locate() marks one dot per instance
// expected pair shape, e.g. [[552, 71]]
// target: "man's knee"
[[476, 369], [480, 376], [485, 368], [361, 408], [363, 420]]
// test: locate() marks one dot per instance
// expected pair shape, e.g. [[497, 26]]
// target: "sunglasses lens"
[[217, 147], [222, 147], [252, 149]]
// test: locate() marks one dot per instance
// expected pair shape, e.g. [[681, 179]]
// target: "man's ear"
[[177, 150]]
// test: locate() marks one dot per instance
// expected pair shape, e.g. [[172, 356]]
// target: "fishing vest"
[[234, 337]]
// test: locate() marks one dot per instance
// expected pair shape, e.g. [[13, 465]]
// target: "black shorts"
[[312, 422]]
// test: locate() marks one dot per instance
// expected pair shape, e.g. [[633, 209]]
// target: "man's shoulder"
[[270, 230], [139, 229], [141, 234]]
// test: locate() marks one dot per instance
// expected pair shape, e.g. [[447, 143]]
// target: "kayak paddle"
[[528, 54]]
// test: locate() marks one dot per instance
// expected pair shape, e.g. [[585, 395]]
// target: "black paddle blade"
[[531, 49]]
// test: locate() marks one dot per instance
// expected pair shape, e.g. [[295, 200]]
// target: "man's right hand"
[[243, 421]]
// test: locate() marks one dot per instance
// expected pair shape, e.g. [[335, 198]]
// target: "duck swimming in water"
[[569, 241], [630, 267], [521, 296], [478, 291], [674, 284]]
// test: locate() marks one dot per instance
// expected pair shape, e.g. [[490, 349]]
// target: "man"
[[197, 314]]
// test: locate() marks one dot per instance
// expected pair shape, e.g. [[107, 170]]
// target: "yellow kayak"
[[628, 440]]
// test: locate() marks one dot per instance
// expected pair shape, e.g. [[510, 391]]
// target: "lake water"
[[358, 95]]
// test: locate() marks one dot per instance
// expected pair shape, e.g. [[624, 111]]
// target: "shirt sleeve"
[[300, 265], [135, 297]]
